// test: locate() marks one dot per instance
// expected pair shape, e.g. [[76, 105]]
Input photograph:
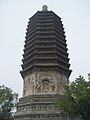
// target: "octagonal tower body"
[[45, 59]]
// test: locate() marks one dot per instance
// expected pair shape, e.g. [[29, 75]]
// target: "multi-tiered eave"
[[45, 45]]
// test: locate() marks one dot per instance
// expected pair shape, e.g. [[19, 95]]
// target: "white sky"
[[14, 17]]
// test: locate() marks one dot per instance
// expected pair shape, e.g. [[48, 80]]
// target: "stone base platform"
[[38, 107]]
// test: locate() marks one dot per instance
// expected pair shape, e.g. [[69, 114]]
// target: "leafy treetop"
[[76, 99], [8, 102]]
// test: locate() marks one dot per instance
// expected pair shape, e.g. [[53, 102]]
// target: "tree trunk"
[[88, 112]]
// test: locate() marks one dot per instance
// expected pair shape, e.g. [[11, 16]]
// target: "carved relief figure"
[[45, 85], [61, 84], [29, 87], [26, 86], [52, 86], [38, 88]]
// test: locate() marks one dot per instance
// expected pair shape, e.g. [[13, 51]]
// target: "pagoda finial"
[[44, 8]]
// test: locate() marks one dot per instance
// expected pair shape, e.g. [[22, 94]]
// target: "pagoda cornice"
[[62, 51], [45, 36], [47, 41], [40, 20], [32, 49], [51, 64], [27, 42], [61, 41], [45, 57], [45, 24], [28, 33], [28, 46], [62, 56], [62, 61], [44, 28], [45, 32], [48, 46], [38, 42], [60, 37], [42, 52]]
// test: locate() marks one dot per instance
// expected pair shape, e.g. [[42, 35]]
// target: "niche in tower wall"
[[45, 85]]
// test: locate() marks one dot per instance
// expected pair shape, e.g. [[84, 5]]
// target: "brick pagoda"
[[45, 68]]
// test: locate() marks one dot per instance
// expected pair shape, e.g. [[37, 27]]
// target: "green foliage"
[[76, 99], [8, 102]]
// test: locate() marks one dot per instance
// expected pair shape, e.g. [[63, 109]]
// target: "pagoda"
[[45, 67]]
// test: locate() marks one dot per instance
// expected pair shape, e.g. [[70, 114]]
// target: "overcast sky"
[[14, 17]]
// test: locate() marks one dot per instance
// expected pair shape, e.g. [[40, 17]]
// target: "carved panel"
[[44, 83]]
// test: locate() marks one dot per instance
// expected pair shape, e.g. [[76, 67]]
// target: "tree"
[[76, 99], [8, 102]]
